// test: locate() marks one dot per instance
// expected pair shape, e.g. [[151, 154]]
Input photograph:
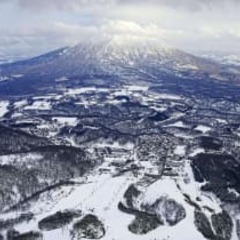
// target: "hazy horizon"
[[29, 28]]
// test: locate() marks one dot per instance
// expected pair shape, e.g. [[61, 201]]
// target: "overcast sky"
[[31, 27]]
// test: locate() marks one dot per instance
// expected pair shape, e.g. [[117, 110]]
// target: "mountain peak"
[[134, 58]]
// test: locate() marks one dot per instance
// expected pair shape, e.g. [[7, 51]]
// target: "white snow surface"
[[83, 90], [196, 152], [179, 124], [167, 187], [180, 150], [61, 79], [100, 194], [20, 104], [137, 88], [39, 105], [20, 159], [169, 96], [3, 78], [69, 121], [3, 108], [203, 129]]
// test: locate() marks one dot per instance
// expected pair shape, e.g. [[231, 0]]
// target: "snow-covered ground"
[[168, 187], [195, 152], [203, 129], [137, 88], [62, 79], [188, 66], [39, 105], [180, 150], [20, 104], [3, 78], [169, 96], [100, 194], [69, 121], [83, 90], [178, 124], [3, 108], [101, 197], [26, 159]]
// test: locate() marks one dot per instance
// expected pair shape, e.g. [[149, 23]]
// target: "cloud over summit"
[[30, 27]]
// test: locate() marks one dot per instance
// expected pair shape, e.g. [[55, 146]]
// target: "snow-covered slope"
[[111, 57], [119, 141], [228, 59]]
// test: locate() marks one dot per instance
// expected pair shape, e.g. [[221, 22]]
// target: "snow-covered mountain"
[[227, 59], [110, 57], [114, 141]]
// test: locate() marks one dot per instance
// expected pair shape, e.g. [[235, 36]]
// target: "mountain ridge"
[[109, 57]]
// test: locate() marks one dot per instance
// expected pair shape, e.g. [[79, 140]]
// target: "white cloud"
[[80, 4], [219, 32], [31, 27]]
